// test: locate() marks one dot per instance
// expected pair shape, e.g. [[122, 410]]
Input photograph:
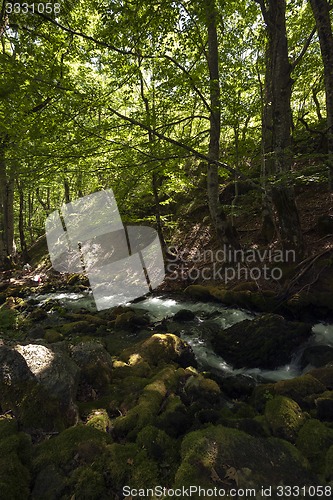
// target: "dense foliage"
[[120, 94]]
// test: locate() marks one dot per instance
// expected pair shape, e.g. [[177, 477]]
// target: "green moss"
[[299, 388], [86, 441], [14, 461], [144, 413], [284, 417], [88, 484], [314, 440], [208, 453], [329, 464], [52, 336], [174, 419], [159, 446], [199, 387], [77, 327], [99, 419]]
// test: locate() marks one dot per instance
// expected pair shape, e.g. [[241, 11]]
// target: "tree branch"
[[304, 49], [188, 148]]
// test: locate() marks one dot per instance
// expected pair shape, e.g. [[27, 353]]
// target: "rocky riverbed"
[[167, 391]]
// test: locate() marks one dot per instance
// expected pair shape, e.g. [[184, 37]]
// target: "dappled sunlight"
[[38, 357]]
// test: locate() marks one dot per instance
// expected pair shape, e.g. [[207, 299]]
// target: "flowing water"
[[164, 306]]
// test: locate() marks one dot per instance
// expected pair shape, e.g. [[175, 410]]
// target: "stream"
[[161, 307]]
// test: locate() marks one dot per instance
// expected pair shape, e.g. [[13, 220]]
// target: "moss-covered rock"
[[131, 320], [217, 454], [39, 386], [314, 440], [99, 419], [299, 388], [198, 387], [95, 364], [265, 342], [329, 464], [285, 417], [74, 463], [14, 461], [163, 348], [324, 406], [51, 336], [324, 375]]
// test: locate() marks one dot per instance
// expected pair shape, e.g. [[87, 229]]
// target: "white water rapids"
[[160, 307]]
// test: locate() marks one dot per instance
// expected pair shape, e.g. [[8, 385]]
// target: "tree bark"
[[226, 232], [321, 11], [6, 210], [23, 241], [277, 124]]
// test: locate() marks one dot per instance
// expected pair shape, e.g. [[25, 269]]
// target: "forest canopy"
[[163, 101]]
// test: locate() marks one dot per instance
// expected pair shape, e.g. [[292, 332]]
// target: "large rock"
[[317, 356], [268, 341], [95, 364], [163, 348], [285, 417], [39, 386], [224, 458]]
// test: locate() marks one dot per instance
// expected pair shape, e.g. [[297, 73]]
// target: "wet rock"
[[132, 320], [317, 356], [238, 386], [268, 341], [184, 315]]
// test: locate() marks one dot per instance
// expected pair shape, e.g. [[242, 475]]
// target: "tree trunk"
[[321, 11], [226, 233], [155, 180], [277, 124], [23, 242], [6, 210]]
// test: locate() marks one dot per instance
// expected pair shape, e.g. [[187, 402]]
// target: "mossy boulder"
[[39, 385], [317, 356], [99, 419], [14, 461], [285, 417], [324, 405], [161, 448], [329, 465], [314, 441], [163, 348], [175, 419], [95, 364], [324, 375], [212, 455], [72, 463], [143, 413], [132, 320], [268, 341], [81, 327], [200, 388]]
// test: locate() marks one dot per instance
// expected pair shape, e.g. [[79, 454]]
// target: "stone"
[[268, 341], [95, 364]]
